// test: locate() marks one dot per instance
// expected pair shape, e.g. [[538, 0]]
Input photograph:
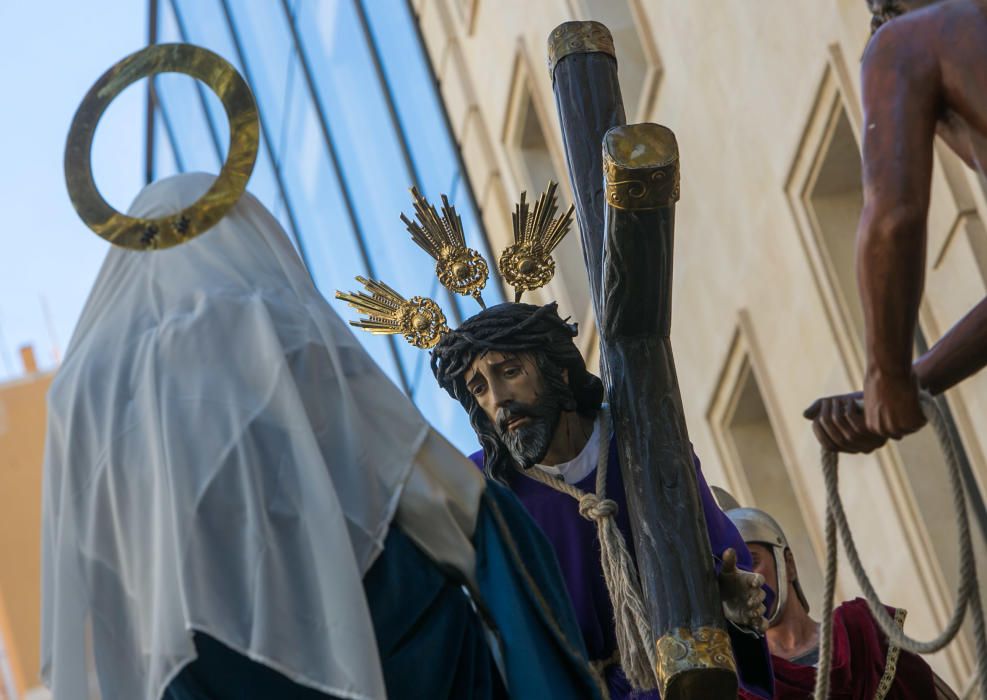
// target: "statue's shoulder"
[[904, 43]]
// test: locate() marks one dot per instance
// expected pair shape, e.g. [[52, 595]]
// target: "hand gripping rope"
[[968, 592]]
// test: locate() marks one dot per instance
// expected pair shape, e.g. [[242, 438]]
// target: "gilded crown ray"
[[419, 319], [528, 264], [460, 269]]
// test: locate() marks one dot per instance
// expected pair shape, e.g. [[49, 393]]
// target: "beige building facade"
[[22, 438], [764, 98]]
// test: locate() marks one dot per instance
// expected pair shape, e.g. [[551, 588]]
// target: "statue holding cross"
[[652, 567], [625, 181]]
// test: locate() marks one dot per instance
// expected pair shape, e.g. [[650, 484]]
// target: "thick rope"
[[829, 594], [968, 592], [636, 649]]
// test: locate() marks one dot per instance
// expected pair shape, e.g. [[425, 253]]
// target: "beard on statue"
[[527, 429], [513, 357], [524, 410]]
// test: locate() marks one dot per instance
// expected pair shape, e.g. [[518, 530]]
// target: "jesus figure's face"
[[510, 391]]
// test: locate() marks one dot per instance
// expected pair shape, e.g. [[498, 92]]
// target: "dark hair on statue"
[[522, 329], [883, 11]]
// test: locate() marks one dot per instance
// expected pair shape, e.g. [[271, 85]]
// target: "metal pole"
[[152, 38]]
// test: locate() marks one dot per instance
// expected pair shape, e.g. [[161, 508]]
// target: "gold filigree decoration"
[[139, 233], [528, 263], [419, 319], [640, 167], [681, 650], [460, 269], [578, 37]]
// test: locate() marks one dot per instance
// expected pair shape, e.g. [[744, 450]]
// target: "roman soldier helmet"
[[757, 526]]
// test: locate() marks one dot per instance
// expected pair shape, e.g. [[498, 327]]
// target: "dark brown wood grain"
[[628, 256], [588, 99]]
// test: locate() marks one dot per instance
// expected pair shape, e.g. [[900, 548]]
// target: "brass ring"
[[138, 233]]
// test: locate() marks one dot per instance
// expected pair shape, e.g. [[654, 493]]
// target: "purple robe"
[[571, 534]]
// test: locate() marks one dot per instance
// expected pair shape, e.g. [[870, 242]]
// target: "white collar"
[[580, 466]]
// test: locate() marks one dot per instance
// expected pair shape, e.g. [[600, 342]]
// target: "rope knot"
[[594, 508]]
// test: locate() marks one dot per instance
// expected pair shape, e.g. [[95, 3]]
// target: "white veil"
[[223, 455]]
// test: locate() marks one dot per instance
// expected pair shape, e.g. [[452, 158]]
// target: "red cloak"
[[860, 662]]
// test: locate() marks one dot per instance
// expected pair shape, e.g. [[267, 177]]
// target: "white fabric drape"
[[223, 455]]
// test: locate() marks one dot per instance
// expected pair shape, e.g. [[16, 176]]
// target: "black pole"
[[675, 561], [152, 38], [625, 184], [587, 96]]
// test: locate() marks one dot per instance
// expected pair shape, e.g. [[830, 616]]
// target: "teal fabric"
[[429, 633], [431, 642], [426, 622], [522, 588]]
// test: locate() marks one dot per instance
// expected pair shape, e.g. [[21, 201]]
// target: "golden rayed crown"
[[419, 320], [460, 269], [526, 265]]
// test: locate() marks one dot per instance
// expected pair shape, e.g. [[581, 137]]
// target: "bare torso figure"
[[923, 74], [959, 30]]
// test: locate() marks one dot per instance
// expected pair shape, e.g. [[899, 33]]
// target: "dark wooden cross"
[[625, 181]]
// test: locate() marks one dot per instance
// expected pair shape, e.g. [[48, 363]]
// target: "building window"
[[467, 13], [533, 161], [758, 473], [529, 147], [835, 199]]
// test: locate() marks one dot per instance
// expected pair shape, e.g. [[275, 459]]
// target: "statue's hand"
[[839, 424], [742, 594], [891, 405]]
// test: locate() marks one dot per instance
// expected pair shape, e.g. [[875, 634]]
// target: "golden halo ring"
[[138, 233]]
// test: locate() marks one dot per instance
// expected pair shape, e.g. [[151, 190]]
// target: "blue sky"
[[50, 54]]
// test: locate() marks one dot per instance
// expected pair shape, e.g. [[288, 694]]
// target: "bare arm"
[[958, 354], [901, 105], [838, 423]]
